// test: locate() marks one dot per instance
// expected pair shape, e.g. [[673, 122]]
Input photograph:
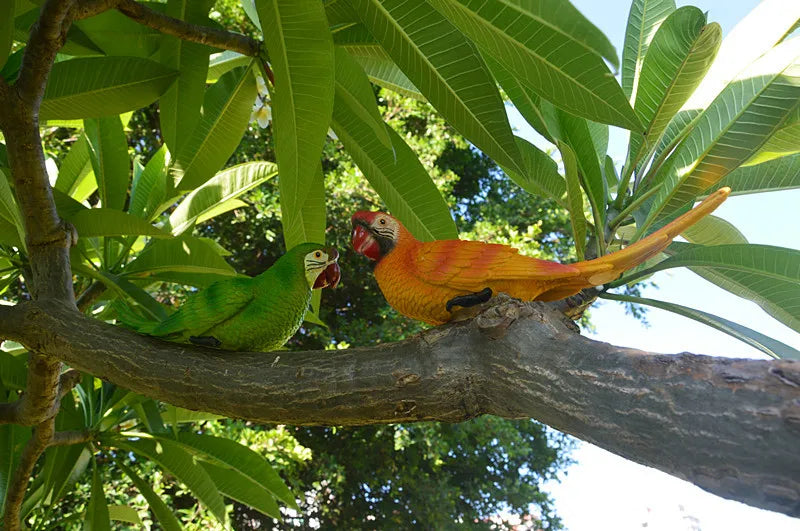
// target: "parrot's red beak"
[[362, 239], [331, 275]]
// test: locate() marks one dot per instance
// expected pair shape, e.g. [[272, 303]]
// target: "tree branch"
[[66, 438], [730, 426], [47, 237], [225, 40], [40, 439]]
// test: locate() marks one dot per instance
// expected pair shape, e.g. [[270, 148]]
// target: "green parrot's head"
[[319, 264]]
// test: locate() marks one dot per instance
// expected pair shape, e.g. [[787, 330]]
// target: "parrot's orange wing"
[[469, 265]]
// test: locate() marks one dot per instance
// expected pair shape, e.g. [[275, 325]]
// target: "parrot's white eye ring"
[[383, 221], [317, 254]]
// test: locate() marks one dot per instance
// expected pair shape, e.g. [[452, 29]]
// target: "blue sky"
[[603, 491]]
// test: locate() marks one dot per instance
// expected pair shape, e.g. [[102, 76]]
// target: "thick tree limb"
[[730, 426], [47, 237], [225, 40]]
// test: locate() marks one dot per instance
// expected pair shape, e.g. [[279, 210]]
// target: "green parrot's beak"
[[331, 275]]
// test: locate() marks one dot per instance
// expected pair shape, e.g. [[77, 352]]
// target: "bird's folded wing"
[[466, 265], [206, 309]]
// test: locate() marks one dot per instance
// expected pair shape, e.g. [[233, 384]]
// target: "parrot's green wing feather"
[[206, 309]]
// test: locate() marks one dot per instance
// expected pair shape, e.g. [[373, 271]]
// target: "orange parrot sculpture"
[[426, 280]]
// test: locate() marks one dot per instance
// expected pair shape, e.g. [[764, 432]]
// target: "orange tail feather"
[[607, 268]]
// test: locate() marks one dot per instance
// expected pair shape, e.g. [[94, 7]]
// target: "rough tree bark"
[[729, 426]]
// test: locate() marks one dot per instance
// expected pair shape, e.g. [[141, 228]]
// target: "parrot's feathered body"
[[419, 278], [257, 314]]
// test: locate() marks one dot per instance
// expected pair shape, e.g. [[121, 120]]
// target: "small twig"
[[574, 306], [89, 8], [66, 438], [47, 35], [89, 295], [225, 40], [67, 381]]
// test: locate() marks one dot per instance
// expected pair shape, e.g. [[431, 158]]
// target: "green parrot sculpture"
[[256, 314]]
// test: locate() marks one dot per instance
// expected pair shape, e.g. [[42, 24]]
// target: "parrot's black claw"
[[205, 341], [469, 300]]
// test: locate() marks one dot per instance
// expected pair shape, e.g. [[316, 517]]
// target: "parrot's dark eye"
[[383, 221], [317, 254]]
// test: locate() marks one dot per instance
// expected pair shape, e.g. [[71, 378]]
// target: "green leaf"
[[551, 48], [374, 60], [575, 198], [116, 34], [179, 415], [9, 235], [163, 514], [224, 186], [644, 19], [524, 99], [13, 371], [223, 62], [765, 344], [249, 7], [77, 42], [6, 30], [92, 87], [108, 150], [784, 142], [239, 457], [610, 172], [236, 486], [63, 465], [340, 14], [97, 518], [226, 113], [162, 259], [752, 37], [179, 106], [712, 230], [397, 175], [353, 87], [124, 289], [766, 275], [9, 211], [174, 459], [733, 127], [599, 135], [110, 222], [301, 53], [221, 208], [447, 68], [678, 57], [76, 168], [576, 132], [777, 174], [542, 177], [308, 223], [677, 129], [12, 437], [148, 190], [149, 413], [383, 72], [125, 513]]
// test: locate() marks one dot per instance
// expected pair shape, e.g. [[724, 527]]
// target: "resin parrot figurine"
[[426, 280], [259, 313]]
